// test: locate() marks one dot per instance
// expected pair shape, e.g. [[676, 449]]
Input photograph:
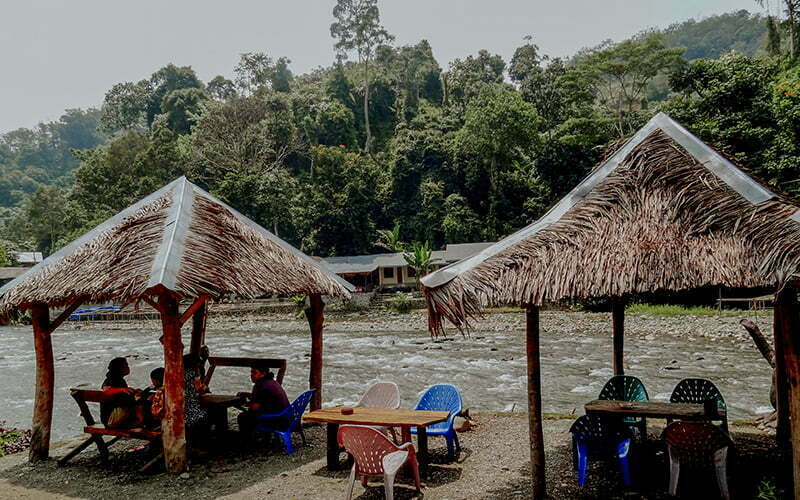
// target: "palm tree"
[[390, 239], [420, 259]]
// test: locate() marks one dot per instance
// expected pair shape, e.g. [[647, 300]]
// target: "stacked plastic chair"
[[376, 455], [600, 438], [382, 395], [293, 414], [699, 390], [697, 444], [442, 397], [627, 388]]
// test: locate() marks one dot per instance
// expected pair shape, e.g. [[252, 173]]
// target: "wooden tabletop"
[[378, 416], [220, 399], [652, 409]]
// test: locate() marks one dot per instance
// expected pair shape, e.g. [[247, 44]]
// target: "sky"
[[60, 54]]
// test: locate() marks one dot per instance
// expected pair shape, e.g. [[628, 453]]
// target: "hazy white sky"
[[59, 54]]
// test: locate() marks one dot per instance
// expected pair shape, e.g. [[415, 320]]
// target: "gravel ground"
[[493, 465]]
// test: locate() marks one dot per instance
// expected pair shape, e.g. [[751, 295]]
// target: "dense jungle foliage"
[[386, 136]]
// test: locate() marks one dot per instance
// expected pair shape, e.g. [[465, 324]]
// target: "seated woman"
[[267, 398], [196, 415], [123, 409]]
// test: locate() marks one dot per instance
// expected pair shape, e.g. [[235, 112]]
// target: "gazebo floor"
[[493, 464]]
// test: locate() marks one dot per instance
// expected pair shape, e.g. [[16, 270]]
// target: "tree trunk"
[[315, 317], [760, 340], [45, 380], [792, 41], [173, 425], [366, 106], [535, 433]]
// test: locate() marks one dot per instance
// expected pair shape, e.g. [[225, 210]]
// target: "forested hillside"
[[713, 36], [386, 136]]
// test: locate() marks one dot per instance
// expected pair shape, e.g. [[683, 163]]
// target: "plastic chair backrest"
[[444, 397], [381, 395], [368, 447], [697, 390], [624, 388], [695, 442], [596, 429], [298, 407]]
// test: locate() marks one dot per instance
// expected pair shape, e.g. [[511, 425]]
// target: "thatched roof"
[[664, 212], [182, 239]]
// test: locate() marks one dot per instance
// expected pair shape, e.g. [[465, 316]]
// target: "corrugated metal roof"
[[356, 264], [734, 177], [9, 273]]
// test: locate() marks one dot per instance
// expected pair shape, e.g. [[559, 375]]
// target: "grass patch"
[[670, 310]]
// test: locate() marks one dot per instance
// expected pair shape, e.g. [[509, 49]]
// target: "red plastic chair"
[[697, 444], [376, 455]]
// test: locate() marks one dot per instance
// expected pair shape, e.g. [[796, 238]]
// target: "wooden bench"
[[96, 431], [215, 361]]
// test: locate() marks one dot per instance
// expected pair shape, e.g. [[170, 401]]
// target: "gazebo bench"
[[96, 431]]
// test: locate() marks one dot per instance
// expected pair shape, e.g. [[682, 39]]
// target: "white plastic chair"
[[375, 455], [382, 395]]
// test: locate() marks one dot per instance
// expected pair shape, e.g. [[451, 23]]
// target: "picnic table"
[[382, 417], [217, 406], [653, 409]]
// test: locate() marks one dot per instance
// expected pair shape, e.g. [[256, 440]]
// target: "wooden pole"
[[536, 434], [314, 313], [787, 323], [781, 385], [198, 329], [45, 380], [618, 327], [173, 424]]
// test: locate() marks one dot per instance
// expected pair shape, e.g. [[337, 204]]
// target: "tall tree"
[[357, 28], [792, 10], [620, 74]]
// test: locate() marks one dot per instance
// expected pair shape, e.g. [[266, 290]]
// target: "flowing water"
[[488, 367]]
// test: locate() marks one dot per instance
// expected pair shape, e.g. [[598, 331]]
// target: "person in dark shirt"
[[119, 411], [267, 398]]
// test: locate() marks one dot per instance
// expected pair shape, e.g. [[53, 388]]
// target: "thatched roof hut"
[[179, 243], [663, 212], [179, 238]]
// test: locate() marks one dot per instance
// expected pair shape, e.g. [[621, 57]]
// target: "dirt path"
[[492, 465]]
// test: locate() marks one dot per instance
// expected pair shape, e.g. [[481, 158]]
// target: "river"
[[488, 367]]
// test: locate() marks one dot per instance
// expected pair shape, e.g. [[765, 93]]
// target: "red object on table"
[[347, 410]]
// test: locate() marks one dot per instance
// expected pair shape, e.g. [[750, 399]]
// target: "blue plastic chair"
[[293, 414], [442, 397], [600, 438]]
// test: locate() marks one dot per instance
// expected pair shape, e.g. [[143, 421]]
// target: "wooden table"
[[652, 409], [405, 419], [217, 406]]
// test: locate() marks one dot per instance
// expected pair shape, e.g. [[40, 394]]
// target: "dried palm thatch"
[[665, 212], [179, 238]]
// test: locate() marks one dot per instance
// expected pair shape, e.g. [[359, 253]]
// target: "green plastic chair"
[[627, 388]]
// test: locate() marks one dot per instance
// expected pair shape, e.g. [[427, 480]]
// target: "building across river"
[[387, 271]]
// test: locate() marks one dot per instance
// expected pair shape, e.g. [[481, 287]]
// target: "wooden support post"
[[787, 326], [314, 313], [618, 327], [535, 401], [781, 385], [198, 329], [173, 423], [45, 380]]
